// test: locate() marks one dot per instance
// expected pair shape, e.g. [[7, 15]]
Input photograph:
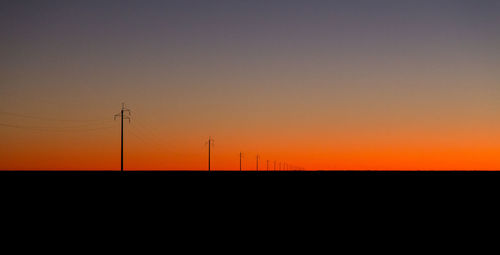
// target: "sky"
[[321, 85]]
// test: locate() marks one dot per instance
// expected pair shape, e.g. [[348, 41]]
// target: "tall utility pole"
[[258, 162], [210, 143], [267, 165], [122, 117], [275, 165]]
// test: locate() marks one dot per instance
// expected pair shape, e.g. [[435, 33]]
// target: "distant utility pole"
[[122, 116], [258, 162], [275, 165], [211, 142], [241, 156], [267, 165]]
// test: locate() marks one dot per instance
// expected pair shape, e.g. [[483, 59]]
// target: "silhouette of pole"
[[209, 154], [122, 116], [258, 162], [210, 143], [240, 160], [275, 165], [267, 164], [122, 141]]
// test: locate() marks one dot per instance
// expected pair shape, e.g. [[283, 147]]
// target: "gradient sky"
[[352, 84]]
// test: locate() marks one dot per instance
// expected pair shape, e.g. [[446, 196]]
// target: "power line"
[[47, 119], [56, 129], [150, 133], [149, 139], [143, 123]]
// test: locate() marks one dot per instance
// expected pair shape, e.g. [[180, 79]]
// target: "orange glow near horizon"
[[354, 150]]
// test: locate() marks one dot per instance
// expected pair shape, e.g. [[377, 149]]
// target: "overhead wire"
[[25, 116], [153, 133], [85, 125], [148, 140], [56, 129]]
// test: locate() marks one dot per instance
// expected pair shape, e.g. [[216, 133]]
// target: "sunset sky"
[[330, 85]]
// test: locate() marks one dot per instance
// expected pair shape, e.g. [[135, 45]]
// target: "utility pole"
[[210, 143], [258, 162], [122, 116], [275, 165], [267, 163], [209, 154], [241, 156]]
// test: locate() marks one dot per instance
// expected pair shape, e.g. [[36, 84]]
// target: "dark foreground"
[[327, 188], [351, 179]]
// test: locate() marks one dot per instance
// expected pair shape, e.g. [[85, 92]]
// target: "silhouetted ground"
[[326, 174], [201, 187]]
